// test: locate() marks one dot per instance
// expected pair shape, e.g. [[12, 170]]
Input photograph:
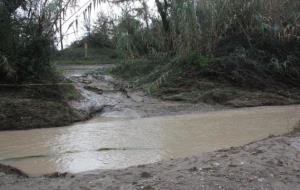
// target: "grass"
[[197, 78], [154, 73], [69, 92], [76, 56]]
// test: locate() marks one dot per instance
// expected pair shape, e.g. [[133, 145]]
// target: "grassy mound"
[[76, 55], [235, 81], [27, 107]]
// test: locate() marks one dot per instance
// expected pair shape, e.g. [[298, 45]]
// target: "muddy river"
[[104, 143]]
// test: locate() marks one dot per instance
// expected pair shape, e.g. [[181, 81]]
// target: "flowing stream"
[[104, 143]]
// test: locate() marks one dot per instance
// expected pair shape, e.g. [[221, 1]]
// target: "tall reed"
[[218, 19]]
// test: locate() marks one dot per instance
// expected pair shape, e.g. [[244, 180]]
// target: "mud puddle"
[[110, 143]]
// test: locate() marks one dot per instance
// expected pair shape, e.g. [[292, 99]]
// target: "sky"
[[74, 33]]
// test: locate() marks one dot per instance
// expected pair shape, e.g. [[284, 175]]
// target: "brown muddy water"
[[104, 143]]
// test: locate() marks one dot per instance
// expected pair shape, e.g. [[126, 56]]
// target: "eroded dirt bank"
[[28, 107], [272, 164]]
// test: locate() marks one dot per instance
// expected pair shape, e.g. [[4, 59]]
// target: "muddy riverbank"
[[98, 94], [42, 106], [106, 96]]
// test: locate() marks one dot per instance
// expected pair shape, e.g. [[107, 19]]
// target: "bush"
[[7, 72], [162, 70], [249, 73]]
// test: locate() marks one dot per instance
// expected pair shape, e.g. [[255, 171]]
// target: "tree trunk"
[[163, 12], [60, 28]]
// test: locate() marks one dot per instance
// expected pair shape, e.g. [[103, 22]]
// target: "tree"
[[26, 38], [12, 5], [163, 10]]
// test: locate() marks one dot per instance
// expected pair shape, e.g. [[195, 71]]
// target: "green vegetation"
[[214, 50], [189, 78], [157, 72], [100, 47], [201, 50], [24, 45], [30, 97]]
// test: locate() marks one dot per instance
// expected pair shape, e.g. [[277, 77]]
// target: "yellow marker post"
[[86, 50]]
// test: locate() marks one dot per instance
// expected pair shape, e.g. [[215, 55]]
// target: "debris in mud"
[[146, 175], [193, 169], [59, 175], [13, 171], [148, 187], [94, 89]]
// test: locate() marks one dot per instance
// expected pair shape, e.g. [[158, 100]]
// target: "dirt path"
[[106, 96]]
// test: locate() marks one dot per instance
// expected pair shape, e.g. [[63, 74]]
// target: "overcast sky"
[[75, 33]]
